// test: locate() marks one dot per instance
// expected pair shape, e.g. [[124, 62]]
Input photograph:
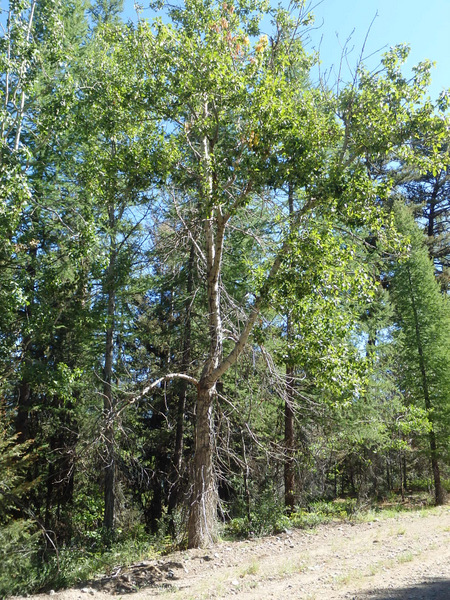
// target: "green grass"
[[26, 569]]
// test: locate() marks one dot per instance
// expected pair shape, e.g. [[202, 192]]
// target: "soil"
[[402, 558]]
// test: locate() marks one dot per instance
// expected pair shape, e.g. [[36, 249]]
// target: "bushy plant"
[[19, 554], [19, 535]]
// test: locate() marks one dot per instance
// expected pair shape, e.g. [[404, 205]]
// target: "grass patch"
[[350, 577], [291, 567], [251, 569], [405, 557]]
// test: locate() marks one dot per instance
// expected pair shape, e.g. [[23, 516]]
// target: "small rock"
[[235, 583]]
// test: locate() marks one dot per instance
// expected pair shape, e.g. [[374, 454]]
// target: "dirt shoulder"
[[406, 557]]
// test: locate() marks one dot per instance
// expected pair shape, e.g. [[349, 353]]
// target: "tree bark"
[[289, 441], [202, 516], [108, 408], [203, 508], [289, 435], [108, 399]]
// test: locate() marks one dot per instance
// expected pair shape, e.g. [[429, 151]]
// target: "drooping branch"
[[148, 388]]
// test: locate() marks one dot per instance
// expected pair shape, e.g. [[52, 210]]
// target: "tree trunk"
[[289, 436], [108, 398], [404, 473], [108, 408], [439, 493], [23, 410], [202, 516], [203, 509], [289, 441], [182, 397]]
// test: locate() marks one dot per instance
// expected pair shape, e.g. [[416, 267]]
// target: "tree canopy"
[[213, 289]]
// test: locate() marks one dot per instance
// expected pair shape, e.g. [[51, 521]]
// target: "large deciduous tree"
[[237, 130]]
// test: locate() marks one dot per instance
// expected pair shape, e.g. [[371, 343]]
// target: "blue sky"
[[423, 25]]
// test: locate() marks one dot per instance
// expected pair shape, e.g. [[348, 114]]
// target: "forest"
[[223, 284]]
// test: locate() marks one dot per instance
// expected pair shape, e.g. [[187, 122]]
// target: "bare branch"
[[154, 385]]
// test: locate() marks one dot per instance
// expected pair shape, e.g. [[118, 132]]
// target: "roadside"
[[406, 557]]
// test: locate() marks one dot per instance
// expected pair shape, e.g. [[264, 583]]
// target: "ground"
[[406, 557]]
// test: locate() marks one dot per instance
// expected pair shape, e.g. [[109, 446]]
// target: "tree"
[[232, 121], [116, 174], [430, 194], [423, 316], [43, 289]]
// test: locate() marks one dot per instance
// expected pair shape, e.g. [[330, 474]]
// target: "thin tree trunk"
[[108, 398], [439, 493], [203, 508], [289, 434], [20, 109], [432, 209], [246, 478], [22, 421], [402, 487], [289, 441], [388, 475], [182, 398], [404, 473], [108, 407]]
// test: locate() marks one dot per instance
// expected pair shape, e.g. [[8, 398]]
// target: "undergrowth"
[[273, 521], [26, 568]]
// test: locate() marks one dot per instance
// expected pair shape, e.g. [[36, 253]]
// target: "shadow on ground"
[[431, 589]]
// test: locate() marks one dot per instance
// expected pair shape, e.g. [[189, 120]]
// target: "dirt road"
[[406, 557]]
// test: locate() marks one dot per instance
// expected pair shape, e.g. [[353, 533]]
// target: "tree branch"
[[153, 385]]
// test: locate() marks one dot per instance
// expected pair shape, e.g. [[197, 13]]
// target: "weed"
[[350, 577], [251, 569], [405, 557], [291, 567]]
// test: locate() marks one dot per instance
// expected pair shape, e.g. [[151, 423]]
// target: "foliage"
[[194, 238], [20, 539], [19, 553], [423, 315]]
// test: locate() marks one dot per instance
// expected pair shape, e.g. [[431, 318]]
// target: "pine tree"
[[423, 318]]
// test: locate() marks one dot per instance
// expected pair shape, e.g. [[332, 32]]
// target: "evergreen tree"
[[423, 318]]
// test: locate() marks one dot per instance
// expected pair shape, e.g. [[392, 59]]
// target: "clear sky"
[[425, 25]]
